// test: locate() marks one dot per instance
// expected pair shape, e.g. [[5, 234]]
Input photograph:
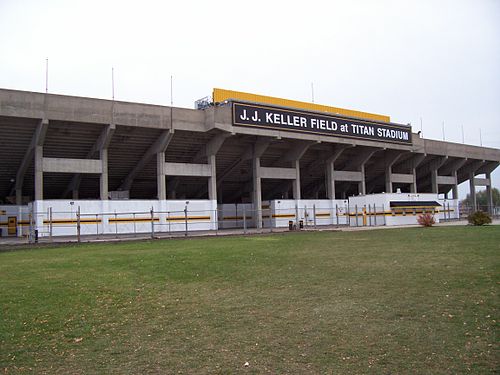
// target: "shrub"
[[426, 220], [479, 218]]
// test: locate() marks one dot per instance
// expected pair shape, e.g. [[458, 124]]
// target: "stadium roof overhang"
[[76, 126]]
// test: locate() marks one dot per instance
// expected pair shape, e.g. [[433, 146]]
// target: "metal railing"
[[77, 226]]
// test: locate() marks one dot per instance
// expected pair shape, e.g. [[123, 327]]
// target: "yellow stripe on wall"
[[189, 218]]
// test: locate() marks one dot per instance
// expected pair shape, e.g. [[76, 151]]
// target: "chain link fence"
[[466, 210], [77, 226]]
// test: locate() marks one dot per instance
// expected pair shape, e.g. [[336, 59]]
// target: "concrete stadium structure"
[[65, 147]]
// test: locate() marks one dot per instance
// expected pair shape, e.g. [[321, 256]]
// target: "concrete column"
[[489, 194], [415, 162], [413, 186], [219, 195], [103, 183], [160, 176], [257, 192], [38, 172], [74, 194], [362, 183], [388, 179], [390, 159], [454, 189], [296, 182], [19, 196], [212, 180], [330, 169], [330, 180], [434, 182], [472, 186], [38, 139]]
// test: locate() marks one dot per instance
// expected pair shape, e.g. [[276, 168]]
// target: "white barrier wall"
[[231, 215], [277, 213], [391, 208], [309, 211], [450, 209], [59, 217], [14, 220]]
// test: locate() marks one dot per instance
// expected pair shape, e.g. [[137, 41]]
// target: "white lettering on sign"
[[362, 129], [321, 123], [289, 120], [392, 134]]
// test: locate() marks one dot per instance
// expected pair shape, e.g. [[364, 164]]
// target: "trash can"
[[301, 224], [290, 225]]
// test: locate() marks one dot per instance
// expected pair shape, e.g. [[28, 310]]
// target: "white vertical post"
[[244, 220], [296, 215], [152, 223], [78, 224], [50, 223]]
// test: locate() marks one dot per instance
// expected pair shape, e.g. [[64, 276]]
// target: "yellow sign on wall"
[[220, 95]]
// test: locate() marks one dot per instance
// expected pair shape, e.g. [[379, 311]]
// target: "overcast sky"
[[424, 59]]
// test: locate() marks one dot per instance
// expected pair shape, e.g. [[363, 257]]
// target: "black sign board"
[[309, 122]]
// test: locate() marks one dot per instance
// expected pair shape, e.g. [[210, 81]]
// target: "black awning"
[[401, 204]]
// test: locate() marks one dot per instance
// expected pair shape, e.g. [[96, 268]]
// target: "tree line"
[[482, 199]]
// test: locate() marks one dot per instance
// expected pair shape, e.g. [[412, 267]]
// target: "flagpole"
[[171, 91], [46, 75], [113, 83]]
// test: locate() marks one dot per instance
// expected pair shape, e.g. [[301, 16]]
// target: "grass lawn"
[[392, 301]]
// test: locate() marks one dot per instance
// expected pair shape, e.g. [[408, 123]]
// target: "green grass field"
[[392, 301]]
